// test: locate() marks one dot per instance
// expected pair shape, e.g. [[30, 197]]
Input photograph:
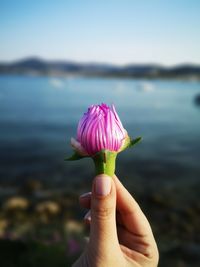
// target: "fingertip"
[[102, 186]]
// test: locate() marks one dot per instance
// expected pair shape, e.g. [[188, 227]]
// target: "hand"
[[120, 235]]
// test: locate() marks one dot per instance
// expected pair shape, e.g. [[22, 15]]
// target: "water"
[[38, 115]]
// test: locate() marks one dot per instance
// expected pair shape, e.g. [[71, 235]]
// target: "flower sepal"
[[79, 151], [74, 156], [105, 160], [129, 142]]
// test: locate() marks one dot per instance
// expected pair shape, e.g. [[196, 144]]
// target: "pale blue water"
[[38, 115]]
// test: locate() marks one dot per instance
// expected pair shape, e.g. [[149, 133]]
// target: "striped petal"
[[100, 128]]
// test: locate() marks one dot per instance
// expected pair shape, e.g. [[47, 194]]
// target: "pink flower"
[[101, 136], [73, 246], [99, 128]]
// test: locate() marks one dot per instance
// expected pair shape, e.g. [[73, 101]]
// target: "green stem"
[[105, 162]]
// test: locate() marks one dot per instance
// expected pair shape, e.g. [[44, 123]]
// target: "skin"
[[120, 234]]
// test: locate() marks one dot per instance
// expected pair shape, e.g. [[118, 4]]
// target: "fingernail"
[[102, 185], [87, 216], [86, 194]]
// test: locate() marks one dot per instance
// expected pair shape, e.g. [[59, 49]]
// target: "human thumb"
[[103, 232]]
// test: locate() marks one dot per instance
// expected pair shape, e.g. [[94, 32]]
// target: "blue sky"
[[115, 31]]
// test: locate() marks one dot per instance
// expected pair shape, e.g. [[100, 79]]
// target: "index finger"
[[130, 212]]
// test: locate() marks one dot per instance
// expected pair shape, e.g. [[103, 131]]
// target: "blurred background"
[[56, 59]]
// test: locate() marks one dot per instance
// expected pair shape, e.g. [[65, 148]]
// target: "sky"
[[112, 31]]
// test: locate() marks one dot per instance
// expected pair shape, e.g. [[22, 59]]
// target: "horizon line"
[[36, 57]]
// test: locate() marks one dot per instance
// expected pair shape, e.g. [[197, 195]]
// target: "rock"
[[50, 207], [72, 226], [197, 100], [16, 203], [3, 226], [30, 187]]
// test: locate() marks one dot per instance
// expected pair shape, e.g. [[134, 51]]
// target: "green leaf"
[[74, 156], [134, 141], [130, 142]]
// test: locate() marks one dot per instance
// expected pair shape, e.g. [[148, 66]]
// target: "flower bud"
[[101, 136], [100, 129]]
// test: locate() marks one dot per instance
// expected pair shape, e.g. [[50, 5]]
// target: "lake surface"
[[38, 115]]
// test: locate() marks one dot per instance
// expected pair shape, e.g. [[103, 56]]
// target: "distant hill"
[[37, 66]]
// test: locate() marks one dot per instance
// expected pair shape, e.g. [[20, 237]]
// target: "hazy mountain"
[[38, 66]]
